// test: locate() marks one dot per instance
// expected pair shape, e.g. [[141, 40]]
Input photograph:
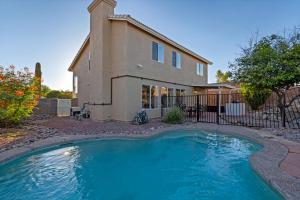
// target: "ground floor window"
[[164, 97], [182, 92], [167, 97], [171, 96], [179, 94], [146, 96], [150, 96], [154, 97]]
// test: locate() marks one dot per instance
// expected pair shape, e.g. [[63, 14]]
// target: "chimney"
[[100, 54], [95, 3]]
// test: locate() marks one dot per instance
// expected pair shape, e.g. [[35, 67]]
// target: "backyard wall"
[[54, 107]]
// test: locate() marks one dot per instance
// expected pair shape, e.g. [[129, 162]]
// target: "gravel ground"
[[43, 126], [286, 133], [86, 126]]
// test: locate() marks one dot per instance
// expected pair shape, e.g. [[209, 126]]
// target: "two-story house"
[[125, 66]]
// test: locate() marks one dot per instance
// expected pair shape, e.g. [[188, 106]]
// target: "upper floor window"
[[176, 60], [200, 69], [158, 52]]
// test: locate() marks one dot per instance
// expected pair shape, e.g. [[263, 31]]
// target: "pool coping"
[[266, 162]]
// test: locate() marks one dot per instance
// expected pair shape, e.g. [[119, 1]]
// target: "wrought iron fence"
[[233, 109]]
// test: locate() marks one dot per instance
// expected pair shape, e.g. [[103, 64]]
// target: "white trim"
[[158, 104]]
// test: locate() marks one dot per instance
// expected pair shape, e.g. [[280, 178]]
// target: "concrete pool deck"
[[278, 163]]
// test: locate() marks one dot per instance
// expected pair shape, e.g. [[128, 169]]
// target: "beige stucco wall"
[[101, 71], [132, 47], [139, 51], [94, 83], [119, 48], [116, 48], [127, 97], [81, 70]]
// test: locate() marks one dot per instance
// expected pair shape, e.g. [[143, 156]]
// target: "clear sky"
[[52, 31]]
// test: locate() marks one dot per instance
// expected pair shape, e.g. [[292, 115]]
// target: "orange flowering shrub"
[[18, 95]]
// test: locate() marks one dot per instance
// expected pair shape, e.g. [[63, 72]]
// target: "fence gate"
[[233, 109]]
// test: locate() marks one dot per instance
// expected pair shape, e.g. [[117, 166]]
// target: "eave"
[[82, 48]]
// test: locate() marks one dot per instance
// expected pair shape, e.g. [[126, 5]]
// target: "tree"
[[255, 97], [272, 63], [18, 95], [60, 94], [45, 90], [223, 77]]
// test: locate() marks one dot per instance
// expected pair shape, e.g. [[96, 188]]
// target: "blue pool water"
[[178, 165]]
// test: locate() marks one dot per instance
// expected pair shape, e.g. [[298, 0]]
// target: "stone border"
[[265, 162]]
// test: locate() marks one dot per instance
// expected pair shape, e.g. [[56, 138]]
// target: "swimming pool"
[[173, 165]]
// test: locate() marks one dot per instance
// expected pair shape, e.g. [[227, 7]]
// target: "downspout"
[[102, 104]]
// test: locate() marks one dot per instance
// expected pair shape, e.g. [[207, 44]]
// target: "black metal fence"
[[233, 109]]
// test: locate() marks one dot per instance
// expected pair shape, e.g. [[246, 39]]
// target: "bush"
[[45, 90], [255, 97], [59, 94], [174, 116], [18, 95]]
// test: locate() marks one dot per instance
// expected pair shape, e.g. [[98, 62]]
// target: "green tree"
[[223, 77], [59, 94], [255, 97], [271, 63]]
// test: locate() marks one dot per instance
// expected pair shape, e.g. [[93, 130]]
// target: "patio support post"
[[283, 112], [220, 100], [218, 108], [198, 108]]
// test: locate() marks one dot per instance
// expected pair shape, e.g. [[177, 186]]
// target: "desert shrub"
[[18, 95], [255, 97], [59, 94], [174, 116]]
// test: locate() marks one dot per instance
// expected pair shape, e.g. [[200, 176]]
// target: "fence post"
[[283, 113], [198, 108], [218, 108]]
